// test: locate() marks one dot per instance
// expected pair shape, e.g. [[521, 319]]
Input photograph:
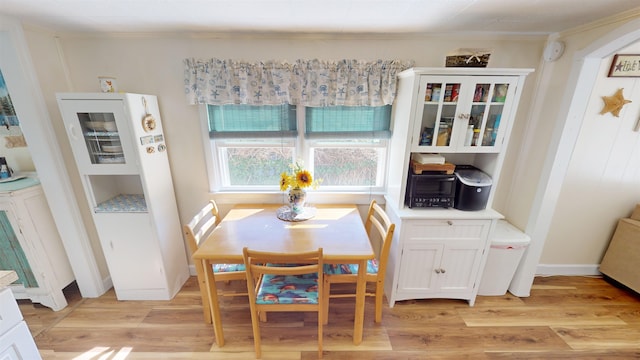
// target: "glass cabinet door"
[[438, 112], [486, 113], [462, 114], [99, 136]]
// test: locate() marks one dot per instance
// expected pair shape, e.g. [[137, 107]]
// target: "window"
[[251, 145]]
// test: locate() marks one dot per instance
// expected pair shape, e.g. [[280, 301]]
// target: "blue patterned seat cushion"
[[220, 268], [290, 289], [345, 269]]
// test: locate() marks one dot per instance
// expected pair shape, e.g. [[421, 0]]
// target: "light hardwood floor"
[[564, 318]]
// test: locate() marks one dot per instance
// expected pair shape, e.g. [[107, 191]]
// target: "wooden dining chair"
[[378, 227], [200, 226], [283, 282]]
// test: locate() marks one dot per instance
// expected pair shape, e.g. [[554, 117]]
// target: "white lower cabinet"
[[16, 342], [437, 258]]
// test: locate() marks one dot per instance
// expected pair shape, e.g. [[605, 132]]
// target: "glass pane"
[[433, 92], [346, 166], [259, 166], [429, 114], [500, 93], [102, 138], [493, 125], [444, 131], [451, 92], [481, 92]]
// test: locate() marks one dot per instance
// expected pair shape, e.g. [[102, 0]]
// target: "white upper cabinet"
[[99, 135], [462, 113]]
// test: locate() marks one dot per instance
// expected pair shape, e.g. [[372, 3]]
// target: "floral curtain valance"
[[304, 82]]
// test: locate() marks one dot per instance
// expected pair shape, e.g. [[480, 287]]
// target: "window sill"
[[314, 197]]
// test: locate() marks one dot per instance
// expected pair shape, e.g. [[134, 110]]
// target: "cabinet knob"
[[442, 271], [437, 271], [449, 222]]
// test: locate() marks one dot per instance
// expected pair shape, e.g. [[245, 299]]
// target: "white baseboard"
[[568, 270], [107, 284]]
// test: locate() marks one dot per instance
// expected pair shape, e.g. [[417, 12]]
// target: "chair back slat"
[[201, 225], [378, 219], [259, 268]]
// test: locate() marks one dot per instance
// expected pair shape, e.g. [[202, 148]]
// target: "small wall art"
[[7, 112], [625, 66], [614, 104]]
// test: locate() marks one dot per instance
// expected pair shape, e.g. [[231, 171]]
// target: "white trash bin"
[[508, 244]]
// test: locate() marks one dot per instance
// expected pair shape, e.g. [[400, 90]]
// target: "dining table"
[[337, 229]]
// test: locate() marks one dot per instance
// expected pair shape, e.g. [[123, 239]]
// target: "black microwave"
[[430, 190]]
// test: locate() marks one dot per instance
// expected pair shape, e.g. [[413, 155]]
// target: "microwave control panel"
[[444, 202]]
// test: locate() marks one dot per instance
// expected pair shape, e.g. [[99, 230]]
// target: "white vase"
[[297, 199]]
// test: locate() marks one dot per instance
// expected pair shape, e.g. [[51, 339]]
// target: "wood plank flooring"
[[564, 318]]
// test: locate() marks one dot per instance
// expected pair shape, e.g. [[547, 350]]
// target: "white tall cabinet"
[[118, 144], [466, 115]]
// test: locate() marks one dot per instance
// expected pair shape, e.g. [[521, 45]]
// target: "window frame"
[[302, 149]]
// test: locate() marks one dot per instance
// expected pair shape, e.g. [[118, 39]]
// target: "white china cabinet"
[[119, 147], [30, 244], [466, 115]]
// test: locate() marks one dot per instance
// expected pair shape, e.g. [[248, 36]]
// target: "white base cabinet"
[[438, 258], [16, 342], [29, 233]]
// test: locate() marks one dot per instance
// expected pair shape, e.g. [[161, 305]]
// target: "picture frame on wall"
[[625, 65], [7, 111]]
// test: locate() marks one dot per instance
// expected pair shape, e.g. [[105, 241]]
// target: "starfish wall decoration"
[[614, 104]]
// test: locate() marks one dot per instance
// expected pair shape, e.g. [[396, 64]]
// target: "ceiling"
[[313, 16]]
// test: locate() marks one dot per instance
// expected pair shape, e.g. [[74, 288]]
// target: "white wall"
[[559, 110], [602, 183], [153, 64]]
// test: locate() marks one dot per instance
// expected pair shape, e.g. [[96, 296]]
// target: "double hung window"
[[251, 145]]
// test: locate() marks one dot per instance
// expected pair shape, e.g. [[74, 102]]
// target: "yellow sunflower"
[[303, 179], [285, 181]]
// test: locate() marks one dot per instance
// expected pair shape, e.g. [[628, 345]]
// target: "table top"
[[337, 229]]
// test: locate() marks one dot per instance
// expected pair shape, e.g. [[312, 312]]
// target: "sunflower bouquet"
[[297, 178]]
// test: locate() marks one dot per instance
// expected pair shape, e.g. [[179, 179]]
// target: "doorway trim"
[[580, 82]]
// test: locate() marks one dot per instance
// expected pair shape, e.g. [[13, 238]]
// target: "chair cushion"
[[290, 289], [346, 269], [220, 268]]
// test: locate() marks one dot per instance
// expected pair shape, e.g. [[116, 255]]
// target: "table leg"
[[213, 303], [360, 301]]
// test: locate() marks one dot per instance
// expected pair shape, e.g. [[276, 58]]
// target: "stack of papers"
[[427, 158]]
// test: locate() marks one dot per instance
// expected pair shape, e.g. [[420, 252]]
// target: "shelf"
[[123, 203]]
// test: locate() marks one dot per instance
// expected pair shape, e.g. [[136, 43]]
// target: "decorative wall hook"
[[614, 104]]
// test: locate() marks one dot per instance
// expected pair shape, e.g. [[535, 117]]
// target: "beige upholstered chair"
[[378, 226], [285, 282], [200, 226]]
